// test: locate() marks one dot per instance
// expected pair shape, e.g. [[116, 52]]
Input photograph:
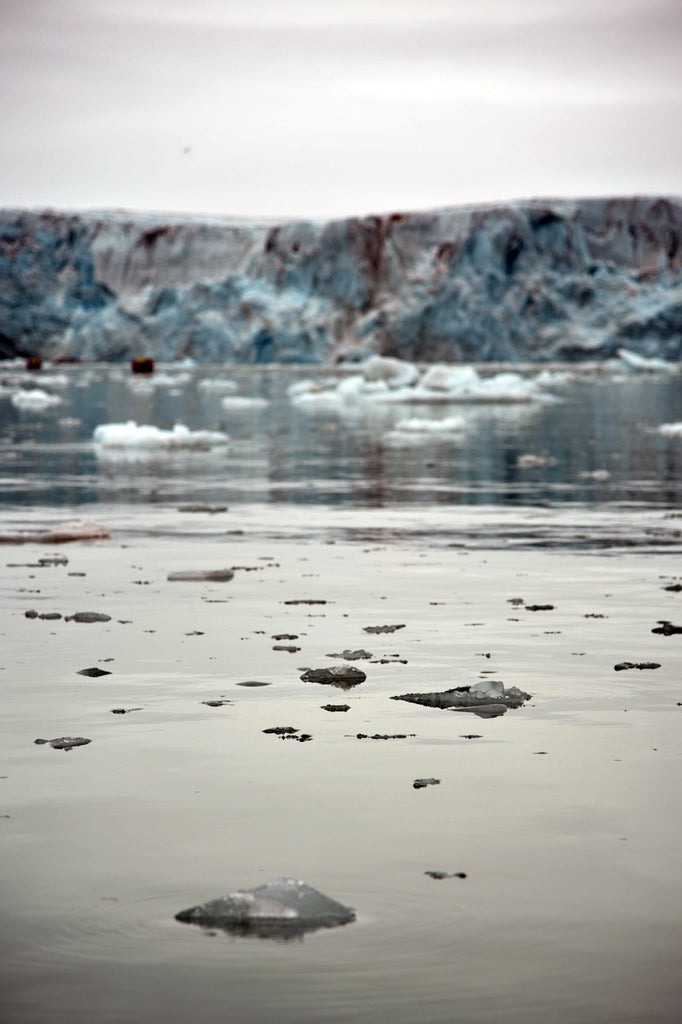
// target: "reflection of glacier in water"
[[386, 433]]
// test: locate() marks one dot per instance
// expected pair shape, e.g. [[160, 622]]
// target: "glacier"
[[536, 281]]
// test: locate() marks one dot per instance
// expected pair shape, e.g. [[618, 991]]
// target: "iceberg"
[[34, 400], [642, 364], [670, 429], [130, 437]]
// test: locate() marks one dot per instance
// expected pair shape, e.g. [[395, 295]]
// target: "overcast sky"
[[333, 107]]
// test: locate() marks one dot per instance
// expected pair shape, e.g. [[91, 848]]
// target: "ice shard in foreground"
[[282, 908]]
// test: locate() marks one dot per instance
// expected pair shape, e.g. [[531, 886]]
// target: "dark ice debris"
[[305, 600], [65, 742], [335, 707], [621, 666], [202, 575], [421, 783], [88, 617], [53, 560], [471, 736], [281, 730], [487, 698], [351, 655], [210, 509], [290, 648], [392, 659], [285, 636], [343, 676], [383, 629], [215, 703], [253, 683], [674, 587], [444, 874], [385, 736], [301, 738], [123, 711], [33, 614], [539, 607], [93, 672], [284, 908], [666, 628]]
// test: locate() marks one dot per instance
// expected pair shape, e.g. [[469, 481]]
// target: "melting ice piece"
[[282, 908], [34, 401], [202, 575], [670, 429], [130, 436], [239, 402], [641, 364], [488, 698], [343, 676], [80, 529], [395, 372]]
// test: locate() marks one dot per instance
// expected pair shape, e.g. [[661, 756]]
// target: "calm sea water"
[[594, 445], [564, 815]]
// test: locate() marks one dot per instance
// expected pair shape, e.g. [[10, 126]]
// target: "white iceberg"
[[220, 386], [129, 436], [642, 364], [34, 401], [415, 425], [670, 429], [239, 402], [394, 372]]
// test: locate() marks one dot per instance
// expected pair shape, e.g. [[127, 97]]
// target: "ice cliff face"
[[529, 281]]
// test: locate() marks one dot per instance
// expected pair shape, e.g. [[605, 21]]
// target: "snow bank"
[[129, 436], [670, 429]]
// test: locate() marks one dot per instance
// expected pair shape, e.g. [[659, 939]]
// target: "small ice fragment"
[[34, 401]]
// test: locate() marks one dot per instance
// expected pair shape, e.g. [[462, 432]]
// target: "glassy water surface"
[[450, 521], [592, 439]]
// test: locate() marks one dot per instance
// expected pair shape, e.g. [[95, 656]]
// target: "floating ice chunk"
[[463, 384], [316, 399], [394, 372], [670, 429], [486, 698], [487, 688], [449, 425], [239, 402], [223, 387], [127, 436], [450, 378], [641, 364], [279, 909], [79, 529], [34, 401]]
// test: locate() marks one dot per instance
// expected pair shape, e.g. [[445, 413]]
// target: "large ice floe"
[[284, 908], [391, 381], [130, 439]]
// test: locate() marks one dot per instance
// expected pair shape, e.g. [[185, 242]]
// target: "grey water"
[[595, 444], [563, 815]]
